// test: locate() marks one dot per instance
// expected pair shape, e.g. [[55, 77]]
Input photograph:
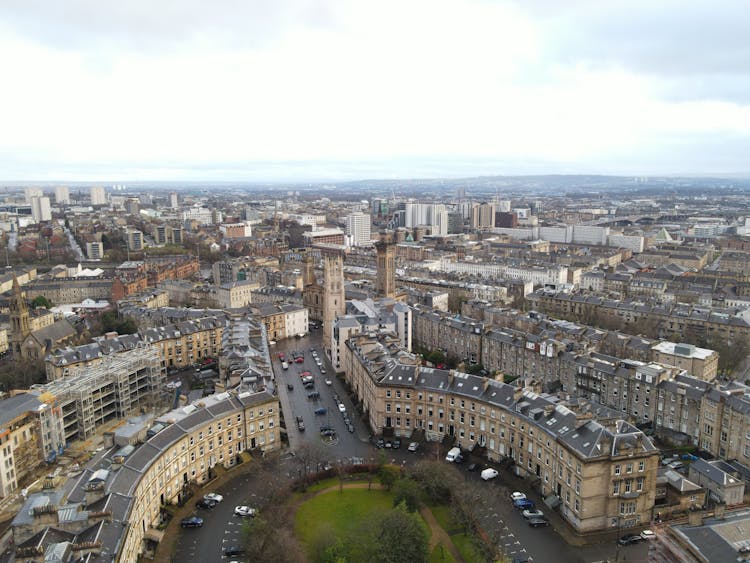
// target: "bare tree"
[[269, 537]]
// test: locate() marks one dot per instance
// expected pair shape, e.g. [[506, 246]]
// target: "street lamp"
[[617, 543]]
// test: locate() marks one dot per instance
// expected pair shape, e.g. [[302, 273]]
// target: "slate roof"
[[56, 332], [13, 407], [714, 473], [718, 540]]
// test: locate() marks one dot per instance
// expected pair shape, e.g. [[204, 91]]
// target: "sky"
[[335, 89]]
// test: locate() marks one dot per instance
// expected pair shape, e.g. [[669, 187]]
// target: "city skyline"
[[316, 91]]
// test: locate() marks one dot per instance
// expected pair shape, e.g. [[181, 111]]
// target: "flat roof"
[[676, 349]]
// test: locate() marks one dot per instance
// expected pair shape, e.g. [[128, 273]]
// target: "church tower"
[[385, 284], [20, 326], [308, 269], [333, 296]]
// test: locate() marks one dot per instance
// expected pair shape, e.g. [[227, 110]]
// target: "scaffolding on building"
[[113, 388]]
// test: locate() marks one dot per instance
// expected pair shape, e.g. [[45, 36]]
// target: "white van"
[[453, 453], [489, 473]]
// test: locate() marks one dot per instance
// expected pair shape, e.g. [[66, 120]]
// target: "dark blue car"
[[523, 504]]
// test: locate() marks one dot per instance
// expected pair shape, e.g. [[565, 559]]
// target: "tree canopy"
[[41, 301]]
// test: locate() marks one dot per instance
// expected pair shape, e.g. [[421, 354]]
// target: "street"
[[296, 403], [497, 516]]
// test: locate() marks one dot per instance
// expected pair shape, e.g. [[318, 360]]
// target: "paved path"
[[439, 535]]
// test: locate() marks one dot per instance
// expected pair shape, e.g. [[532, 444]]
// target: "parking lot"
[[347, 440]]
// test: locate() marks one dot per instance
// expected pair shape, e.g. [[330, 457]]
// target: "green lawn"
[[441, 555], [463, 543], [465, 546], [343, 511], [442, 513]]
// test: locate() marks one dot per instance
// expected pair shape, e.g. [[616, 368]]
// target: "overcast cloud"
[[278, 89]]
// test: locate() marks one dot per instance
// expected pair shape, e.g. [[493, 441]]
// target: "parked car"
[[234, 550], [290, 386], [191, 522], [524, 504], [630, 538], [350, 427], [329, 382], [342, 408], [380, 443], [532, 514], [206, 504], [300, 360], [245, 511], [313, 395], [321, 411], [676, 465], [216, 497], [514, 496], [489, 473], [472, 467], [322, 370], [648, 534], [538, 523], [396, 444], [300, 424], [413, 447], [388, 444]]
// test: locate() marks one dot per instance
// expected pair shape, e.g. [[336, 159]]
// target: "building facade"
[[601, 475]]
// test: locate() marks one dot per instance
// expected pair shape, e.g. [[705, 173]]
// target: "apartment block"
[[117, 513], [153, 299], [95, 250], [455, 336], [179, 345], [135, 240], [597, 473], [70, 290], [273, 317], [113, 387], [681, 322], [31, 433], [538, 275], [711, 416], [698, 362], [234, 295]]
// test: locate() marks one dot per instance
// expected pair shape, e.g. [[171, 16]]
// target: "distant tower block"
[[385, 284], [333, 296]]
